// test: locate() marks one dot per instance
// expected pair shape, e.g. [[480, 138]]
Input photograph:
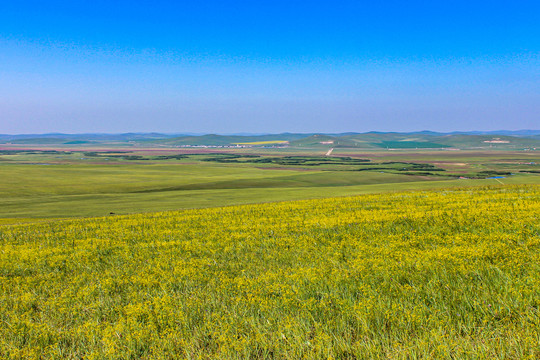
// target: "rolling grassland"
[[60, 184], [441, 274]]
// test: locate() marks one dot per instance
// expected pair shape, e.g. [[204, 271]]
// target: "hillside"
[[476, 141], [370, 140], [436, 140], [438, 274]]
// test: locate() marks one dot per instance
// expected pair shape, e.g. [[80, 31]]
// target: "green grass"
[[57, 185], [89, 191], [449, 274]]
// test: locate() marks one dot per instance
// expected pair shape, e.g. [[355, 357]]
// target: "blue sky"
[[268, 66]]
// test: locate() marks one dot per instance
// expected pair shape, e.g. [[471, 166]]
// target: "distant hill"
[[62, 138], [495, 140], [369, 140], [518, 133], [226, 140], [316, 140]]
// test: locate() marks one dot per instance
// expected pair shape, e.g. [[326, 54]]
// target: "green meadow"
[[268, 254], [66, 183], [442, 274]]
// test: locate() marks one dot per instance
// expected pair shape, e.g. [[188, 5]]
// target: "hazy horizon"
[[524, 132]]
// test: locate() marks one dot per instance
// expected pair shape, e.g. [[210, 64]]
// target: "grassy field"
[[448, 269], [447, 274], [67, 183]]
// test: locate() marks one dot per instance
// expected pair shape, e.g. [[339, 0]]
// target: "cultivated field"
[[441, 274]]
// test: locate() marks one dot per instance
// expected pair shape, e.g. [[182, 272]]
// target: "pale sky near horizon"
[[263, 67]]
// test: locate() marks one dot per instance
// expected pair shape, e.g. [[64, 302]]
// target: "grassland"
[[453, 273], [449, 270], [58, 183]]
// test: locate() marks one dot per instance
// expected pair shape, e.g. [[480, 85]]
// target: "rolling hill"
[[369, 140]]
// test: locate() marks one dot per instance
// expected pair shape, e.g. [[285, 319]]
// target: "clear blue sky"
[[268, 66]]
